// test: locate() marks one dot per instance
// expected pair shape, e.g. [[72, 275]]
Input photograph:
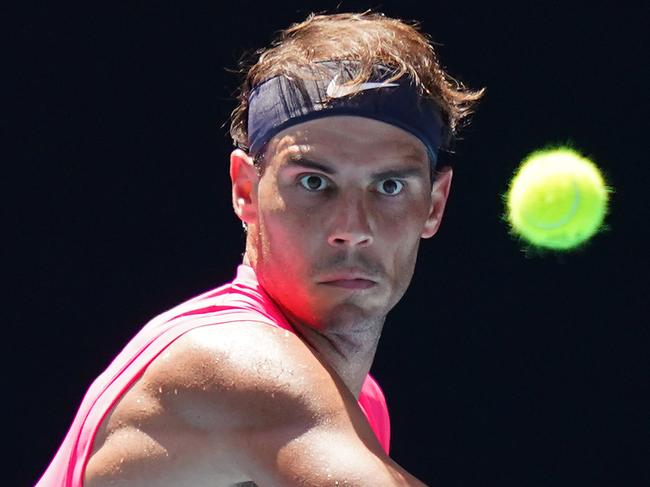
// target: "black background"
[[500, 368]]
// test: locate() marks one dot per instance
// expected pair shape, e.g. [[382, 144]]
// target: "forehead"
[[349, 138]]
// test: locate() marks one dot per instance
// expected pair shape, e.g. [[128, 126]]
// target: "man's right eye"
[[313, 182]]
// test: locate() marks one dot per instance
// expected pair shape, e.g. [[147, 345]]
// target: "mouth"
[[350, 283], [348, 280]]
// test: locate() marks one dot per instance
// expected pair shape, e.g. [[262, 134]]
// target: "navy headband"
[[280, 102]]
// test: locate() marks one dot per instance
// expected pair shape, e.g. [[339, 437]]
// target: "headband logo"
[[335, 90]]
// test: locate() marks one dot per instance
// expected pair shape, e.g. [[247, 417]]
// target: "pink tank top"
[[241, 300]]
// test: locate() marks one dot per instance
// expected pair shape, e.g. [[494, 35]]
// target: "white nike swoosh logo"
[[334, 90]]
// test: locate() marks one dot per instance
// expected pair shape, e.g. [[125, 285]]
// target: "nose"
[[350, 223]]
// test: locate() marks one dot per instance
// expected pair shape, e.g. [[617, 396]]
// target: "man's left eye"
[[390, 187]]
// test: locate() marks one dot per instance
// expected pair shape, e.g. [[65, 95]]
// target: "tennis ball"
[[557, 199]]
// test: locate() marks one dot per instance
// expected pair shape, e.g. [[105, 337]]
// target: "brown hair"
[[369, 38]]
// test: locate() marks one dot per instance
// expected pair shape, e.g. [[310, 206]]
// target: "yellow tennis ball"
[[557, 199]]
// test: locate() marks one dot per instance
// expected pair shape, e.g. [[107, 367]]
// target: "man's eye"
[[313, 182], [390, 187]]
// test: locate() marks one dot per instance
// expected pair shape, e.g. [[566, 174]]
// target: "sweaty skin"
[[347, 225], [334, 219]]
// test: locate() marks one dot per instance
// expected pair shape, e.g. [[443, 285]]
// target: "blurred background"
[[500, 368]]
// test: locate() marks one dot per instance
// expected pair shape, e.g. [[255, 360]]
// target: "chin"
[[358, 308]]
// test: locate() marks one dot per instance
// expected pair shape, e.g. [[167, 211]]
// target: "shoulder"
[[236, 374], [234, 402], [207, 400]]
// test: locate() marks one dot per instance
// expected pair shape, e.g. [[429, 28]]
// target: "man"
[[264, 381]]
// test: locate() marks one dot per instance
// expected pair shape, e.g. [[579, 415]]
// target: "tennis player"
[[265, 380]]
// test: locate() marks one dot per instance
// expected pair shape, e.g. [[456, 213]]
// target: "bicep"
[[325, 454]]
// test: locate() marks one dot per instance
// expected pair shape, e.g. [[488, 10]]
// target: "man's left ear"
[[439, 195]]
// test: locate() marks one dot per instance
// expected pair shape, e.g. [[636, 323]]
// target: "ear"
[[439, 195], [243, 175]]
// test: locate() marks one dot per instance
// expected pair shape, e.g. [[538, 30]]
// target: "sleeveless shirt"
[[242, 300]]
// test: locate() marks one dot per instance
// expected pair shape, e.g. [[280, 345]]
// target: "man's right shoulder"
[[239, 376], [237, 402], [206, 400]]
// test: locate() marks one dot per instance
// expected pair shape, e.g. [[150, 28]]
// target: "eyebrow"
[[409, 171], [296, 160], [399, 173]]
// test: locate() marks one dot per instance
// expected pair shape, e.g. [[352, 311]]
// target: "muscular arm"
[[243, 403]]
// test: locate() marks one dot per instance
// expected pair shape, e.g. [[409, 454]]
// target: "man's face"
[[336, 217]]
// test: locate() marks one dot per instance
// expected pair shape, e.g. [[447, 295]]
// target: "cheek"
[[401, 266], [288, 220], [399, 236], [402, 224], [403, 249], [283, 229]]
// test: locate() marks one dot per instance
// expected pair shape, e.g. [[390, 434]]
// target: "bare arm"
[[250, 403]]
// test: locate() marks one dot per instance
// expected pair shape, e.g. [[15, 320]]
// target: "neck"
[[346, 344], [348, 347]]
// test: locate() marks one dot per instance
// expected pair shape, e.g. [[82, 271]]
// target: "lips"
[[349, 279], [350, 283]]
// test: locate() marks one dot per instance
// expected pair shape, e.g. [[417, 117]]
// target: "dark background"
[[500, 368]]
